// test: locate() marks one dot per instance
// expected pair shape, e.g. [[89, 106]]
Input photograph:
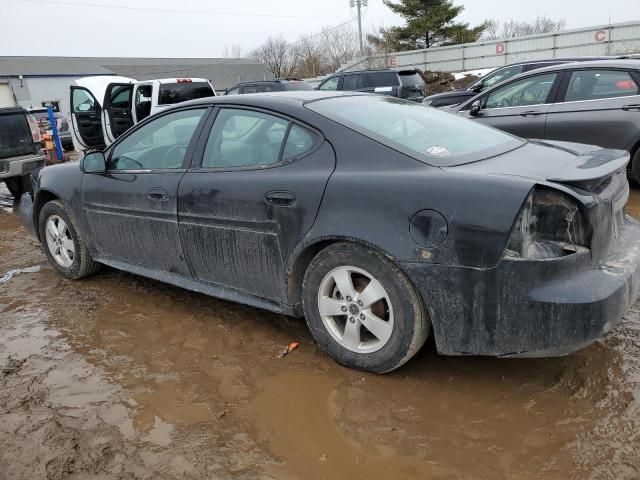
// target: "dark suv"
[[404, 83], [277, 85], [455, 97]]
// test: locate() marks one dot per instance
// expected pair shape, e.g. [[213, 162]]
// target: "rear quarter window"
[[171, 93]]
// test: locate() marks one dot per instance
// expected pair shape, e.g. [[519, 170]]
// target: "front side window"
[[160, 144], [83, 101], [500, 75], [599, 84], [245, 138], [331, 84], [350, 82], [427, 134], [528, 91]]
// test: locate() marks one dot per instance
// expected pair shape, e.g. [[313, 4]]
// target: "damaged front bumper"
[[530, 308]]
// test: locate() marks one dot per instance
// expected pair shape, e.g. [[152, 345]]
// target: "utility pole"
[[359, 4]]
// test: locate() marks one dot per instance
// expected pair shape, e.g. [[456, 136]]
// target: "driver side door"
[[131, 209], [519, 107]]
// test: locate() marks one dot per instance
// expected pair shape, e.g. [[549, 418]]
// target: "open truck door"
[[117, 115], [86, 119], [90, 129]]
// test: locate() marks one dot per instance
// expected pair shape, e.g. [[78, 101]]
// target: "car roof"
[[632, 63], [268, 98], [273, 80]]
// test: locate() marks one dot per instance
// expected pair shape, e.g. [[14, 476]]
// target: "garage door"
[[6, 97]]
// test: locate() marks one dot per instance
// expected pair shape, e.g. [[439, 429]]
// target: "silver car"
[[595, 102]]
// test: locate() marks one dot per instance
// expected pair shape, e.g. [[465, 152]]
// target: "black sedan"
[[378, 219]]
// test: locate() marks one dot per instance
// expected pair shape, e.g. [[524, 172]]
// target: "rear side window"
[[382, 79], [245, 138], [298, 86], [171, 93], [599, 84], [121, 97], [350, 82]]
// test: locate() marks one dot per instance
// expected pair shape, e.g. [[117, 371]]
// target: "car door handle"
[[633, 106], [280, 199], [532, 113], [159, 194]]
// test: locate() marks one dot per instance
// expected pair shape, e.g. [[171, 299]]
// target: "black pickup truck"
[[20, 149]]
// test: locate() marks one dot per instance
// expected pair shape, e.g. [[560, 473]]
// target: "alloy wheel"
[[355, 309], [60, 241]]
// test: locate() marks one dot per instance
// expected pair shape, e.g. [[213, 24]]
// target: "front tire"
[[362, 309], [63, 243]]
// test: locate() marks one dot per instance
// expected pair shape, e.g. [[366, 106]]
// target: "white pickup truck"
[[104, 107]]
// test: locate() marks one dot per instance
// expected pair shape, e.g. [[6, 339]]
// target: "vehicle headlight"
[[549, 225]]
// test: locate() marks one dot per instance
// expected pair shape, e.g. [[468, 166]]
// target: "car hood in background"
[[562, 162]]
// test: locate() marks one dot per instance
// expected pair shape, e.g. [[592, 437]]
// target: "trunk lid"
[[583, 166]]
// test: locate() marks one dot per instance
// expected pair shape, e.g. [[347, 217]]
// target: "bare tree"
[[340, 45], [232, 51], [311, 57], [279, 55], [514, 28]]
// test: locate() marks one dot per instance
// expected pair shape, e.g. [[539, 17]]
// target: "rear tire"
[[63, 243], [635, 167], [373, 329]]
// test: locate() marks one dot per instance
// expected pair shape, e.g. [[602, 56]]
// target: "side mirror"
[[474, 111], [94, 162], [477, 88]]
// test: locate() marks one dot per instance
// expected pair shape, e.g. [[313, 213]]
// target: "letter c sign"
[[601, 36]]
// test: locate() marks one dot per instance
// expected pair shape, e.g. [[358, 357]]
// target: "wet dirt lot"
[[118, 377]]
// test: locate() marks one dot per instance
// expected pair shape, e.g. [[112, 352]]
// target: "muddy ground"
[[118, 377]]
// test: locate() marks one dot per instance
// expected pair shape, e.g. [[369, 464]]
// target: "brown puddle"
[[128, 378]]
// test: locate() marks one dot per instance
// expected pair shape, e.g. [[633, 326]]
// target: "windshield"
[[427, 134], [497, 76]]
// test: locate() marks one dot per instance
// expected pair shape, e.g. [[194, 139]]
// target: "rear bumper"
[[17, 166], [531, 308]]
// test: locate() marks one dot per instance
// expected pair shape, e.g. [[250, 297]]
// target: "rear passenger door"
[[250, 196], [117, 114], [598, 107]]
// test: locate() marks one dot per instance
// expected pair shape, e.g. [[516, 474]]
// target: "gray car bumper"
[[530, 308]]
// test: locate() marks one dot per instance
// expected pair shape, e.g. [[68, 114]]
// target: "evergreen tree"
[[430, 23]]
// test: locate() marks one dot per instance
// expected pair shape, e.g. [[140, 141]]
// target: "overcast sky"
[[202, 28]]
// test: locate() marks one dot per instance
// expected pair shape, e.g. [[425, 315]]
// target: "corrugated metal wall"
[[614, 39]]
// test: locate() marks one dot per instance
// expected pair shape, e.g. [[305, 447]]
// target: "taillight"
[[35, 129], [550, 225]]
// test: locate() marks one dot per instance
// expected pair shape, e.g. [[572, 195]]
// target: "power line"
[[167, 10]]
